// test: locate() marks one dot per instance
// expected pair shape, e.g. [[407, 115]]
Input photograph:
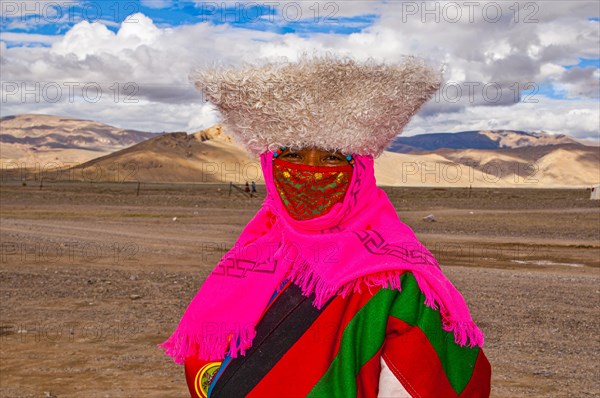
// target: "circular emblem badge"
[[204, 377]]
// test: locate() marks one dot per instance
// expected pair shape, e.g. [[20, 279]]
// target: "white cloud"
[[95, 38], [580, 82], [577, 118], [158, 60], [28, 38]]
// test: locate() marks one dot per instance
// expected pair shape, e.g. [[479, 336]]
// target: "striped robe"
[[377, 343]]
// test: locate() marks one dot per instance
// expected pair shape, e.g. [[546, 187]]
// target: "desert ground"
[[94, 275]]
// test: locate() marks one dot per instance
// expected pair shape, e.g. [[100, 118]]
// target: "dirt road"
[[93, 277]]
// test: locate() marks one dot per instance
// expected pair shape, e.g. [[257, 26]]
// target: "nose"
[[311, 157]]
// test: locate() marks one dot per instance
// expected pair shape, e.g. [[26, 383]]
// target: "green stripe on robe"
[[368, 327], [362, 338], [458, 362]]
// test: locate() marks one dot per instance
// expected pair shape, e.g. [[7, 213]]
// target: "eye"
[[333, 158], [292, 155]]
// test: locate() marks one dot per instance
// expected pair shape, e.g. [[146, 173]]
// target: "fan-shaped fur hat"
[[320, 101]]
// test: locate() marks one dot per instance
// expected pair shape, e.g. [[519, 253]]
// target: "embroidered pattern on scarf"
[[310, 191]]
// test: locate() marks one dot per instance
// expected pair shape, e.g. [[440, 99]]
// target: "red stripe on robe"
[[479, 384], [414, 361], [297, 372], [367, 380]]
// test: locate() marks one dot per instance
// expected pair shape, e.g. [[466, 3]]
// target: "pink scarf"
[[360, 242]]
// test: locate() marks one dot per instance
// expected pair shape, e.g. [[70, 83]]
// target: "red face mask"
[[310, 191]]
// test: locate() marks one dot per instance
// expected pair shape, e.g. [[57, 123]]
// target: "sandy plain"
[[93, 276]]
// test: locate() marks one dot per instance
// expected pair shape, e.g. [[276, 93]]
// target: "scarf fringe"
[[465, 333], [181, 344], [208, 347], [303, 274]]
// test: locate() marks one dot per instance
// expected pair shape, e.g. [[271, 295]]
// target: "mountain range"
[[42, 139], [485, 139], [502, 158]]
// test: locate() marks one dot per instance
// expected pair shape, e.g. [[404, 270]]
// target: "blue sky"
[[46, 19], [585, 62], [156, 43]]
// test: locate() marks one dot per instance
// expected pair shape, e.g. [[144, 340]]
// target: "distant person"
[[326, 292], [253, 188], [247, 188]]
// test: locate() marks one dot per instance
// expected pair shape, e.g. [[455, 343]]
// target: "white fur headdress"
[[326, 102]]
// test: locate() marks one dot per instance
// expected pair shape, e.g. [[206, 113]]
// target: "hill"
[[40, 141], [205, 156]]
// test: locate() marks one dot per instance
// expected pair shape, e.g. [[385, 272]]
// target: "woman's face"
[[314, 157], [306, 188]]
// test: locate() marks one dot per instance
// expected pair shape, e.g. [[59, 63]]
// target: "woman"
[[326, 293]]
